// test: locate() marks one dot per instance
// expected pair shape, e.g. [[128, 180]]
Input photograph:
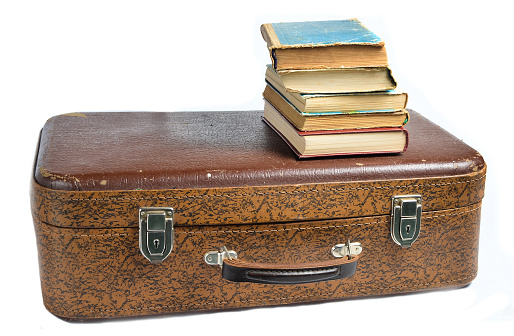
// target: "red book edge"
[[307, 133], [352, 130]]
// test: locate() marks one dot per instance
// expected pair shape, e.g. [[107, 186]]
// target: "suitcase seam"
[[219, 231], [325, 227], [247, 194], [257, 231]]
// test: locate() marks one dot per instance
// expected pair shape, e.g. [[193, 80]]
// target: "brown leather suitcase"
[[135, 213]]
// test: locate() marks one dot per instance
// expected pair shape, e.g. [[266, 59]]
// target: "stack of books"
[[329, 90]]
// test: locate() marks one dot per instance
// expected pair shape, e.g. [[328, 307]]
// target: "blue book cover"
[[318, 33]]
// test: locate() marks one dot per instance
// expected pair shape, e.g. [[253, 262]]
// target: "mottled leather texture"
[[186, 150], [100, 273], [87, 234]]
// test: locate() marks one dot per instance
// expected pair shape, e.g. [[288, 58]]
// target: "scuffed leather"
[[153, 150], [233, 182]]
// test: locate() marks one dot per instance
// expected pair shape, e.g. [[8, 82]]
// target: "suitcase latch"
[[216, 258], [346, 250], [406, 219], [155, 233]]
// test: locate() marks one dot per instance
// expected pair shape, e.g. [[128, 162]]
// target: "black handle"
[[288, 274]]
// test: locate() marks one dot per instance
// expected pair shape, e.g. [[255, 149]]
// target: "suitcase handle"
[[287, 274]]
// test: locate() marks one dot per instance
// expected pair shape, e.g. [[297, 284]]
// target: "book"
[[332, 120], [342, 80], [308, 144], [323, 45], [391, 100]]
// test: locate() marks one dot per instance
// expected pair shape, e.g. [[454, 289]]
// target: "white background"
[[454, 58]]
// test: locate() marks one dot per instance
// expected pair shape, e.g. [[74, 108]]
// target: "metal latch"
[[216, 258], [406, 219], [340, 250], [346, 250], [155, 233]]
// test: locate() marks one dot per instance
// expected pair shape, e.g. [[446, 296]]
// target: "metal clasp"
[[155, 233], [216, 258], [346, 250], [405, 219]]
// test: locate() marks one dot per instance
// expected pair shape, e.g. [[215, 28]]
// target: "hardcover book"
[[342, 80], [383, 101], [308, 144], [332, 120], [323, 44]]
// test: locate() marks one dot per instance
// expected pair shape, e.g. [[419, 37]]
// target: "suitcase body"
[[135, 213]]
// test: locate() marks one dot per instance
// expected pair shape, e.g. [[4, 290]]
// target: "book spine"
[[269, 35], [391, 77], [406, 139], [272, 41]]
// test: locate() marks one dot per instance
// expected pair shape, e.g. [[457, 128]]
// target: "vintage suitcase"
[[135, 213]]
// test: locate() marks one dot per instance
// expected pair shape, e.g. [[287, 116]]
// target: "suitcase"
[[143, 213]]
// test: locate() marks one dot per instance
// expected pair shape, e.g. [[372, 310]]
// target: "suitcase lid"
[[231, 168]]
